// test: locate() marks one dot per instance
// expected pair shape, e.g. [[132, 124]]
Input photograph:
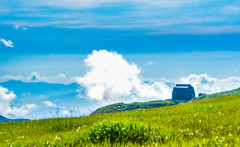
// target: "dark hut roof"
[[184, 85]]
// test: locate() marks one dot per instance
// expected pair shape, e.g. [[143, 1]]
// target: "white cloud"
[[7, 43], [6, 101], [49, 104], [21, 111], [63, 76], [30, 106], [206, 84], [10, 77], [154, 90], [230, 83], [19, 27], [35, 76], [202, 83], [112, 79]]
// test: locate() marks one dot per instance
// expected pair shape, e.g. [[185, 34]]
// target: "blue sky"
[[177, 41], [135, 26], [50, 40]]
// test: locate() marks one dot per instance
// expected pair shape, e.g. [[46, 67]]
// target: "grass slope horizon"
[[207, 122], [120, 107]]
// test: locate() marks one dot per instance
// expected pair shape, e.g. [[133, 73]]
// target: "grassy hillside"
[[120, 107], [220, 94], [210, 122]]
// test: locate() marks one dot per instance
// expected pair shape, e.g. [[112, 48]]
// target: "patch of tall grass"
[[119, 132]]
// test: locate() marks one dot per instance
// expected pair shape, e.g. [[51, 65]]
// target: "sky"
[[120, 50]]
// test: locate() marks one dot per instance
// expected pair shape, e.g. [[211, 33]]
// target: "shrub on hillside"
[[119, 132]]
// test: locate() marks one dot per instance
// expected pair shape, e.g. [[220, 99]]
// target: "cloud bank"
[[6, 108], [206, 84], [111, 78], [33, 77], [37, 77]]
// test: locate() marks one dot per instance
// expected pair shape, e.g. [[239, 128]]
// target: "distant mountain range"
[[37, 92], [50, 89], [4, 119], [64, 96]]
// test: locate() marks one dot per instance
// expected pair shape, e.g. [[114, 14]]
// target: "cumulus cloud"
[[49, 104], [206, 84], [6, 100], [111, 78], [7, 43]]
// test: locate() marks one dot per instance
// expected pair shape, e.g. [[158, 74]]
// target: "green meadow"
[[209, 122]]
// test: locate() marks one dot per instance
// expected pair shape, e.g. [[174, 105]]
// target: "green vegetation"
[[209, 122], [220, 94], [119, 132], [120, 107]]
